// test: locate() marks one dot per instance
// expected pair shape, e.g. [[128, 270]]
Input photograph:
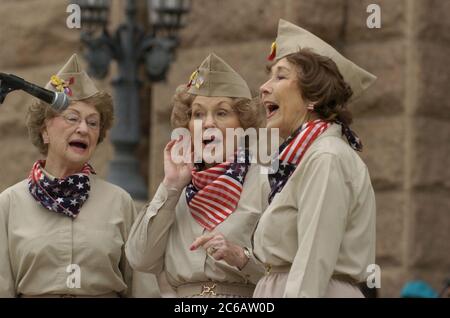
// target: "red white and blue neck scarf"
[[66, 195], [214, 193], [294, 147]]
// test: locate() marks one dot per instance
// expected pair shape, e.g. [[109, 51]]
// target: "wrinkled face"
[[72, 136], [282, 99], [213, 112]]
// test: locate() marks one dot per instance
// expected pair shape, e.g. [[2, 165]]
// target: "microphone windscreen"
[[61, 102]]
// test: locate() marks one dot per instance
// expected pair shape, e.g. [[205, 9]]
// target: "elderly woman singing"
[[196, 232], [63, 229], [317, 237]]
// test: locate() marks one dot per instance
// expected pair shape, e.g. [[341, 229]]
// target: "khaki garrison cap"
[[215, 77], [73, 81], [291, 38]]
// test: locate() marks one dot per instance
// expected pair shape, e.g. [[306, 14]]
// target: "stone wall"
[[410, 54]]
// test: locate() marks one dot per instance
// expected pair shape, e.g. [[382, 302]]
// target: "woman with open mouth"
[[195, 234], [317, 237], [63, 230]]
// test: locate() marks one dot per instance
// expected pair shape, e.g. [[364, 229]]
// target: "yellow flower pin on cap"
[[61, 85]]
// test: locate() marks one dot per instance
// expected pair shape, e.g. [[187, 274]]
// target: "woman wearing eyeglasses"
[[63, 229]]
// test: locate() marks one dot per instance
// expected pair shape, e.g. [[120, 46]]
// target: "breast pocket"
[[104, 244], [279, 222]]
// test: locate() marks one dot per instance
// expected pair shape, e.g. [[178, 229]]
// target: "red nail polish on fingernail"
[[192, 248]]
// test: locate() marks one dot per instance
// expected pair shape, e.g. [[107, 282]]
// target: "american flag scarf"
[[292, 151], [294, 147], [66, 195], [214, 193]]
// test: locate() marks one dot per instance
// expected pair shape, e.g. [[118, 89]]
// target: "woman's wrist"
[[171, 185], [245, 257]]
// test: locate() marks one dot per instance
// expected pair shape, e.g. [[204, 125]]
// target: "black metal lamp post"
[[130, 47]]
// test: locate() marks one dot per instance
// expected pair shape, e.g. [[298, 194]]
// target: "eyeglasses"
[[75, 119]]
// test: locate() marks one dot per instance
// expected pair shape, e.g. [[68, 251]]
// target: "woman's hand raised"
[[176, 175]]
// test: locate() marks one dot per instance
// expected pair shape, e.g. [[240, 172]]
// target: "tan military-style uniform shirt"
[[322, 223], [163, 232], [43, 252]]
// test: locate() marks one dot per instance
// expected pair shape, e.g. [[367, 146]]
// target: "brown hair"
[[39, 111], [321, 83], [249, 112]]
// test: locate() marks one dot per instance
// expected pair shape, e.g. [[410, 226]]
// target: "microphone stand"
[[5, 89]]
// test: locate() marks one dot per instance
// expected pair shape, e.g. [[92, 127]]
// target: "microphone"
[[57, 100]]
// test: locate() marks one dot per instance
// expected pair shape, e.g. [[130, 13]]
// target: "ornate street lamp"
[[130, 46]]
